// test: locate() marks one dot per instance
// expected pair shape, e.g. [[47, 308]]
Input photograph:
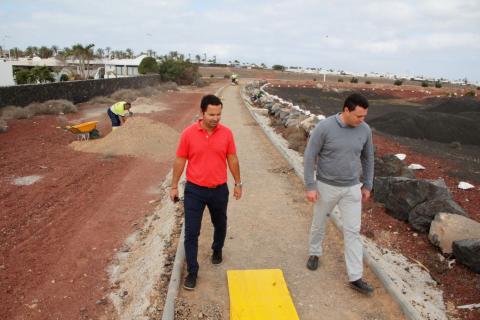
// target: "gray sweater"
[[341, 154]]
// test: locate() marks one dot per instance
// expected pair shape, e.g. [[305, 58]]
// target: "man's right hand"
[[173, 194], [312, 195]]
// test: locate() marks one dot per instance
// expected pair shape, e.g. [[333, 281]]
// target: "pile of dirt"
[[457, 106], [433, 126], [138, 137]]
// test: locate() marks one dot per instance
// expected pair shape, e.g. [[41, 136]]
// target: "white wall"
[[6, 74]]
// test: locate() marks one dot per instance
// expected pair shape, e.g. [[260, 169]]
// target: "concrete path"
[[268, 228]]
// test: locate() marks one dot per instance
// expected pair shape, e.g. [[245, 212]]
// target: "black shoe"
[[312, 263], [217, 257], [190, 281], [361, 286]]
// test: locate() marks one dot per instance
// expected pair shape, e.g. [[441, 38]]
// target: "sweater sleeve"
[[367, 158], [314, 146]]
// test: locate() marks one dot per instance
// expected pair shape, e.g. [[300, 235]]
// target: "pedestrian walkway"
[[268, 229]]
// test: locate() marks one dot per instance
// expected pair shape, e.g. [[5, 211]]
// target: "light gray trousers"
[[349, 201]]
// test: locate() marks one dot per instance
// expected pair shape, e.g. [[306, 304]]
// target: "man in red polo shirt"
[[208, 147]]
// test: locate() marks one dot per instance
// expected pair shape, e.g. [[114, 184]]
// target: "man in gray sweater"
[[340, 150]]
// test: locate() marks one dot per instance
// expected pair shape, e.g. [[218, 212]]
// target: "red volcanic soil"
[[58, 235]]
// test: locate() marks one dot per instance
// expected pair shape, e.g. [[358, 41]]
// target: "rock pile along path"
[[268, 228]]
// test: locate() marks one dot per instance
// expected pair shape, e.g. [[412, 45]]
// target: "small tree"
[[354, 80], [278, 67], [340, 80], [424, 84], [398, 82], [148, 65], [368, 82], [438, 84]]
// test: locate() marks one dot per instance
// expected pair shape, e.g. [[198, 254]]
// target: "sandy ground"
[[268, 228]]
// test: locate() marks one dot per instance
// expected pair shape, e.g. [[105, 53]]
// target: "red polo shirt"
[[206, 155]]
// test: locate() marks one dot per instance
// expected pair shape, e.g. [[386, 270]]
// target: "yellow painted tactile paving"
[[259, 295]]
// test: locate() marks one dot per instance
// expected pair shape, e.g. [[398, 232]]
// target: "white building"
[[6, 74], [122, 67], [97, 68]]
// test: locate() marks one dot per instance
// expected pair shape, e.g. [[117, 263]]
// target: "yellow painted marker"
[[259, 295]]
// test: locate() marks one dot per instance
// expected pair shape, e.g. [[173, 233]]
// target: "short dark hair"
[[127, 104], [210, 99], [354, 100]]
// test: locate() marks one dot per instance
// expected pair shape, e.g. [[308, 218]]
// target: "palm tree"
[[54, 49], [31, 51], [45, 52], [83, 55], [129, 53], [100, 52]]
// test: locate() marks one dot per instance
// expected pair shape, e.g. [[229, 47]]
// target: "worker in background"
[[234, 78], [117, 113]]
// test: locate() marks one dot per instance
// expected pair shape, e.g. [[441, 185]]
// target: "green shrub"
[[63, 77], [368, 82], [212, 76], [41, 74], [425, 84], [36, 74], [278, 67], [470, 94], [22, 76], [354, 80], [179, 71], [340, 80], [148, 65], [398, 82], [438, 84]]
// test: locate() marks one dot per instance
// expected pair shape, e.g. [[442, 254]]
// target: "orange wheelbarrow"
[[83, 130]]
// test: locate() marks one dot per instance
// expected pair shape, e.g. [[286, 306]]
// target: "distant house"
[[122, 67], [96, 68]]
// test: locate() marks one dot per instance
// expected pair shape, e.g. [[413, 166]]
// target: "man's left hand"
[[237, 192], [365, 195]]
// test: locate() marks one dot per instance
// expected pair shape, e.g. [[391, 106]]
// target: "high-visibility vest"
[[119, 108]]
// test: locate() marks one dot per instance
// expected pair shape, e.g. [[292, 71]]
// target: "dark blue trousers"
[[114, 118], [195, 200]]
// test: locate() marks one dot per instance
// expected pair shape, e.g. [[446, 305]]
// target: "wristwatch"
[[240, 184]]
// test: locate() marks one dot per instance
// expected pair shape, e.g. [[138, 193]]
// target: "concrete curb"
[[175, 278], [393, 290]]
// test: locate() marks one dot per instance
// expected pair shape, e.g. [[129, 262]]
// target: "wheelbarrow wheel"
[[94, 134]]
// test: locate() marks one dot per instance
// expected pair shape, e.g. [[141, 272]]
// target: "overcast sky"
[[436, 38]]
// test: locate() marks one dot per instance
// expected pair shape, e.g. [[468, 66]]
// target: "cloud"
[[349, 34]]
